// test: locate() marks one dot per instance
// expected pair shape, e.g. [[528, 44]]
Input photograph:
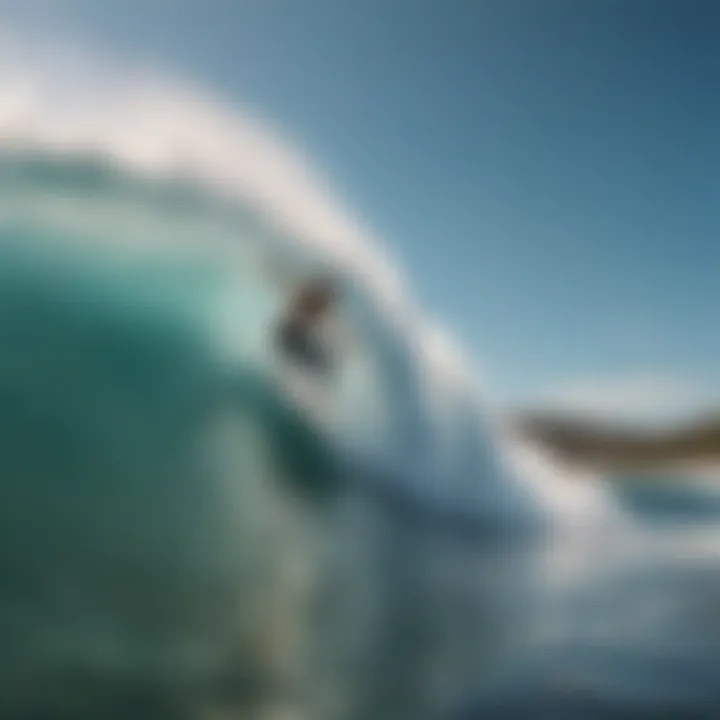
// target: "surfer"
[[299, 336]]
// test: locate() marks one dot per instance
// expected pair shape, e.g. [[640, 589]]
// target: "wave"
[[417, 391], [148, 238], [140, 141]]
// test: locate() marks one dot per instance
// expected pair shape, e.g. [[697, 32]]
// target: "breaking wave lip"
[[162, 129], [173, 134]]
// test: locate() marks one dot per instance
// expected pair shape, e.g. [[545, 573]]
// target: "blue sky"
[[546, 171]]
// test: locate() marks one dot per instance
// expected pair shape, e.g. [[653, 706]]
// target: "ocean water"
[[182, 537], [638, 640]]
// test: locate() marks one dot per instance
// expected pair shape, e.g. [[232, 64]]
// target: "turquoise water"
[[183, 539]]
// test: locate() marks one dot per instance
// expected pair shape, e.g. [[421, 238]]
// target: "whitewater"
[[181, 538]]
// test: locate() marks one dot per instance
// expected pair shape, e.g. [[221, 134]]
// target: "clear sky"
[[547, 171]]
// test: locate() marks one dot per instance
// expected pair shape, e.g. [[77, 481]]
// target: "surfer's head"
[[314, 299]]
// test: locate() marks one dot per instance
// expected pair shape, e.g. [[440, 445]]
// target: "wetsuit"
[[303, 347]]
